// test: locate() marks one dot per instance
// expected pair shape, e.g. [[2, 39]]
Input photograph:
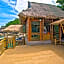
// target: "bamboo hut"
[[37, 18]]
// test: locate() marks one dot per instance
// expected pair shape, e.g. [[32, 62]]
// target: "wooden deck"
[[38, 54]]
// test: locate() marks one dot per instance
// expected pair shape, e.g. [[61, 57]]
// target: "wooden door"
[[35, 30]]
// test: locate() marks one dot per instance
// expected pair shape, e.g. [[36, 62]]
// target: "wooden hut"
[[37, 18]]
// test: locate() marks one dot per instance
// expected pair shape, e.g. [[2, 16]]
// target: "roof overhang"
[[58, 22]]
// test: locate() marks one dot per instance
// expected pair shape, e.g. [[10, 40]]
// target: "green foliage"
[[59, 6], [61, 2], [14, 22]]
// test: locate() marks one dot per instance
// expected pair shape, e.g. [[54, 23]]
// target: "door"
[[35, 30]]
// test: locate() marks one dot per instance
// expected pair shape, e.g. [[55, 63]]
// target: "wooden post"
[[40, 30], [7, 41], [51, 31], [55, 41], [43, 28], [60, 33], [29, 29]]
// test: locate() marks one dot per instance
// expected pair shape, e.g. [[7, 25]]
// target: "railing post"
[[55, 40]]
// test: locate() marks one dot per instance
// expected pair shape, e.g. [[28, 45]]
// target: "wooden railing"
[[11, 42], [7, 43], [2, 45], [1, 48], [56, 40]]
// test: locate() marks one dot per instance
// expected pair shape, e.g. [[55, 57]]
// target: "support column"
[[29, 29], [60, 33], [51, 32], [40, 30], [43, 28]]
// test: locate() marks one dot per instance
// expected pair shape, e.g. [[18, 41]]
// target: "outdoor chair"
[[20, 41]]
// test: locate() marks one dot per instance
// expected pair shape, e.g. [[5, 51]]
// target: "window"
[[35, 26]]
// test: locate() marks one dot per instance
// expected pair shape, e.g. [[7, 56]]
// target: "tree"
[[14, 22], [61, 4]]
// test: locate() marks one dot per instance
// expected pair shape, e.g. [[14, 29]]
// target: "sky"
[[9, 9]]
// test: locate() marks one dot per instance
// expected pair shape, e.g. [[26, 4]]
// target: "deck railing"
[[8, 42], [2, 45], [11, 42]]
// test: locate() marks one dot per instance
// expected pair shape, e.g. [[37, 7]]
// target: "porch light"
[[40, 20]]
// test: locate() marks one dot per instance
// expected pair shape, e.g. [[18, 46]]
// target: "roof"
[[13, 28], [0, 30], [58, 22], [42, 10]]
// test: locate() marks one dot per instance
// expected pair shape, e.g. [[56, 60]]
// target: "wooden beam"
[[35, 20]]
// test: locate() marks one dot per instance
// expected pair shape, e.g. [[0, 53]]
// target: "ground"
[[36, 54]]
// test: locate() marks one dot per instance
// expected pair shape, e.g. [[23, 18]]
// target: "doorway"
[[35, 30]]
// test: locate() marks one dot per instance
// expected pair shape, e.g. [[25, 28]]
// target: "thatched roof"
[[0, 30], [43, 10], [58, 22], [13, 28]]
